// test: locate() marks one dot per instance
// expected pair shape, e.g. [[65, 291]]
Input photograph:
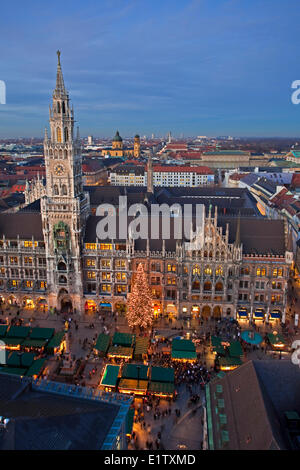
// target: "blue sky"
[[197, 67]]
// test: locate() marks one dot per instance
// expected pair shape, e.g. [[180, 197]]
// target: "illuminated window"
[[28, 260], [29, 284], [91, 274], [105, 263], [106, 276], [121, 289], [106, 288], [43, 285], [277, 272], [105, 246], [29, 244], [14, 283], [91, 262], [58, 135], [196, 270], [219, 271], [171, 268], [120, 263], [121, 277], [13, 260], [91, 246], [208, 271], [260, 272]]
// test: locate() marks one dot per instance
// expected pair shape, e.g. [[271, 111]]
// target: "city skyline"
[[149, 68]]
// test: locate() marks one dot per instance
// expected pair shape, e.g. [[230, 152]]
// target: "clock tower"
[[65, 207]]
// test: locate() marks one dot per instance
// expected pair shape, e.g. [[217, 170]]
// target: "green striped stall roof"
[[276, 339], [129, 421], [123, 339], [36, 367], [188, 355], [34, 343], [3, 330], [41, 333], [21, 360], [141, 346], [56, 341], [18, 332], [230, 361], [162, 374], [183, 345], [13, 371], [120, 351], [161, 387], [102, 343], [235, 349], [110, 375], [12, 341], [135, 371]]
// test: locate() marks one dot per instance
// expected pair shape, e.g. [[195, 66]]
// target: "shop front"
[[90, 306]]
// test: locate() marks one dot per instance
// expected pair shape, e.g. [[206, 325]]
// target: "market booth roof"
[[56, 341], [162, 374], [3, 330], [123, 339], [129, 421], [120, 351], [141, 346], [34, 343], [229, 363], [18, 332], [102, 343], [42, 333], [110, 375], [12, 342], [20, 360], [135, 371], [133, 385], [36, 367], [183, 345], [161, 388], [13, 371], [184, 355], [276, 340], [235, 349]]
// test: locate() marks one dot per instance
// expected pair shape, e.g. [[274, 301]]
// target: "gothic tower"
[[64, 207], [137, 147]]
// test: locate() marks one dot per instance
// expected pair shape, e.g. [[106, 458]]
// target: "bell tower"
[[65, 207]]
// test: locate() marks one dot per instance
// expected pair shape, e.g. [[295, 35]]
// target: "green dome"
[[136, 136], [117, 137]]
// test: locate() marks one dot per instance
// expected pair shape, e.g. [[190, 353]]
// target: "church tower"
[[137, 146], [65, 207]]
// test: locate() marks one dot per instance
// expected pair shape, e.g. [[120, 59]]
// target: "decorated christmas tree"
[[139, 312]]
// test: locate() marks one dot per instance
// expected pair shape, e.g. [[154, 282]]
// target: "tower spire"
[[150, 175], [238, 231], [60, 86]]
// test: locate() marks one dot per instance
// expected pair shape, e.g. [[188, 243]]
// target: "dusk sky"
[[197, 67]]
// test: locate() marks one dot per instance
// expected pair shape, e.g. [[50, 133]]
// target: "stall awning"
[[275, 314], [105, 305], [161, 388], [183, 345], [276, 340], [12, 341], [242, 313], [141, 346], [3, 330], [16, 359], [123, 339], [259, 314], [34, 343], [228, 362], [13, 371], [120, 351], [18, 332], [129, 421], [184, 355], [132, 385]]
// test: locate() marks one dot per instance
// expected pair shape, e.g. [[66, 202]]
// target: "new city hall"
[[50, 256]]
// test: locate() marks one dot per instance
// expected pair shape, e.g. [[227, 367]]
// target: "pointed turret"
[[150, 175], [237, 241], [60, 85]]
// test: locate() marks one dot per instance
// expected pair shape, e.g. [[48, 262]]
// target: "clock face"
[[59, 169]]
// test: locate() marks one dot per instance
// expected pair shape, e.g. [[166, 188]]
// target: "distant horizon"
[[193, 67]]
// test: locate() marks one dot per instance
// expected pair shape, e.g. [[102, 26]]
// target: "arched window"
[[64, 190], [219, 271], [63, 107], [58, 135], [207, 286], [207, 271], [196, 286], [56, 193], [65, 154], [62, 266], [218, 287], [196, 270], [62, 280], [66, 134], [58, 107]]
